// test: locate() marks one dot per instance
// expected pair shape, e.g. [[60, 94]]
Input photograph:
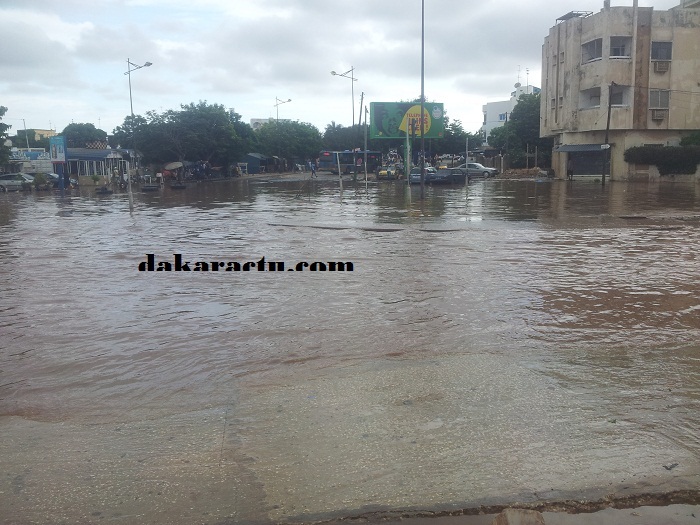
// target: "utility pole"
[[359, 121], [507, 141], [365, 130], [606, 145], [422, 101], [466, 162]]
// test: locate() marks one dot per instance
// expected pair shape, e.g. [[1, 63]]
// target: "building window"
[[661, 50], [620, 46], [589, 98], [659, 98], [592, 50], [619, 95]]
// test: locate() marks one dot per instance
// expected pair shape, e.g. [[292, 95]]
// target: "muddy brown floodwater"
[[513, 341]]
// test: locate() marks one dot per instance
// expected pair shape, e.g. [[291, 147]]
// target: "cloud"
[[244, 53]]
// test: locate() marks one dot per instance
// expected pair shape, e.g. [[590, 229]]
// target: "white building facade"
[[497, 113]]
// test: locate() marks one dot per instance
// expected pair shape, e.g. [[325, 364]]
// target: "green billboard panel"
[[393, 120]]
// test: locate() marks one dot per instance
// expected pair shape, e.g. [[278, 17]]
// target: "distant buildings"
[[632, 66], [256, 123], [497, 113], [42, 133]]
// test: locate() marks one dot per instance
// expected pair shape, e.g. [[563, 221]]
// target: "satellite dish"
[[517, 84]]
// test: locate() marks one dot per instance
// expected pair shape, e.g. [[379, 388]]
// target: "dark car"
[[414, 177], [449, 176]]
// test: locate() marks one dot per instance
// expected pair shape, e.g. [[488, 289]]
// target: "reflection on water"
[[507, 341]]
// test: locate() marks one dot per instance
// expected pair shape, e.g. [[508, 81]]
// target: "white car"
[[14, 181], [474, 169]]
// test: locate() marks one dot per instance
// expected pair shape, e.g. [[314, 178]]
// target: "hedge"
[[670, 160]]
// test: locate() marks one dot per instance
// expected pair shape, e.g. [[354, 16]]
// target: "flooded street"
[[513, 341]]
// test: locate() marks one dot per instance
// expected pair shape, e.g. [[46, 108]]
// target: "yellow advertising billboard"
[[394, 120]]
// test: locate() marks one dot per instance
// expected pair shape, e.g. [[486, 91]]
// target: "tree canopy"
[[521, 134], [295, 141], [198, 131], [4, 150], [210, 132], [80, 135]]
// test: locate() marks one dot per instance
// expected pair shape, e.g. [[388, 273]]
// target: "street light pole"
[[352, 78], [130, 66], [25, 135], [422, 101], [352, 85], [278, 103], [606, 145]]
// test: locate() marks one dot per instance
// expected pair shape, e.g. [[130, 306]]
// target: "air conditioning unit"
[[658, 114], [661, 66]]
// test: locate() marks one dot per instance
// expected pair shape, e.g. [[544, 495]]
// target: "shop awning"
[[581, 147]]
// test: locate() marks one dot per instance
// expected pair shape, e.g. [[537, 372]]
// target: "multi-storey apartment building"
[[625, 76]]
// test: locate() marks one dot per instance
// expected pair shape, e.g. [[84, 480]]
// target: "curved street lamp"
[[352, 84], [352, 91], [278, 104], [132, 67]]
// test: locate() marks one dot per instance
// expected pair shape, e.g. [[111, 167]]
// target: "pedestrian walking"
[[570, 169]]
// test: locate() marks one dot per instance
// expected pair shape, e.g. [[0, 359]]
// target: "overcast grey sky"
[[64, 61]]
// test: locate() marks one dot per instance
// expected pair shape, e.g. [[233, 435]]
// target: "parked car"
[[449, 176], [474, 169], [387, 172], [414, 177], [15, 181]]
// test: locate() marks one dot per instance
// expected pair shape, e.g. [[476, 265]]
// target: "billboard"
[[57, 149], [393, 120]]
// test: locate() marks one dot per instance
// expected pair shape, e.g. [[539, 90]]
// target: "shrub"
[[40, 181], [669, 160], [691, 140]]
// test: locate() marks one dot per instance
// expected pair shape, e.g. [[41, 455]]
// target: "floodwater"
[[513, 341]]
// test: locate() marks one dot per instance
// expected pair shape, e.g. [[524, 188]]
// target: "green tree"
[[455, 139], [521, 135], [296, 142], [208, 132], [337, 137], [499, 137], [129, 133], [198, 131], [79, 135], [246, 139], [4, 150]]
